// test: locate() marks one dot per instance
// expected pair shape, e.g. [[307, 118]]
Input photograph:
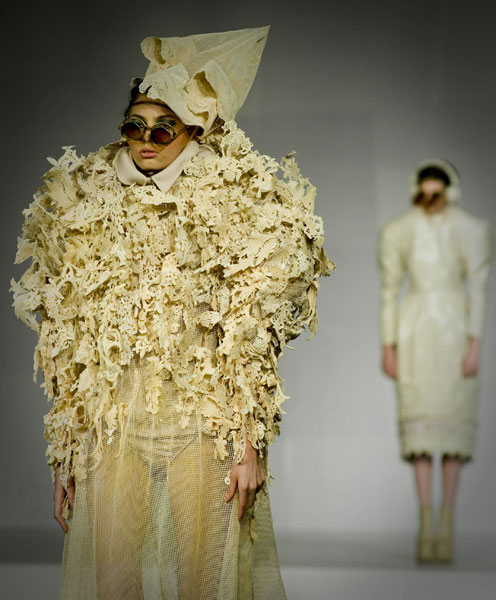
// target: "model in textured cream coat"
[[168, 273]]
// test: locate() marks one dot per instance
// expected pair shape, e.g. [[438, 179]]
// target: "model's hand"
[[472, 358], [59, 494], [247, 477], [389, 361]]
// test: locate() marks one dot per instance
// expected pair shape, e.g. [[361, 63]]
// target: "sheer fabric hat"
[[203, 77], [453, 191]]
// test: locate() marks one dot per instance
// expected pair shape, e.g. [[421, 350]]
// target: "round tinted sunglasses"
[[134, 130]]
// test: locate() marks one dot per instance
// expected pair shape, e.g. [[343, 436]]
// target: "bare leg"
[[451, 473], [423, 475], [425, 538]]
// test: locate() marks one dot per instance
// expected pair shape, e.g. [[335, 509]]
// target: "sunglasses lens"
[[131, 130], [161, 135]]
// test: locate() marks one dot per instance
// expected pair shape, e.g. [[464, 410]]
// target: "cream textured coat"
[[162, 307], [441, 254]]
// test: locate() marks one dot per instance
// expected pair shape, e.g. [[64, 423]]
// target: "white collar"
[[128, 173]]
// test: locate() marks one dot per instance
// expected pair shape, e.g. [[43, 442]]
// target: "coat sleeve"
[[271, 298], [478, 249], [36, 295], [392, 270]]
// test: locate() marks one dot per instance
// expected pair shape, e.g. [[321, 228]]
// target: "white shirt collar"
[[128, 173]]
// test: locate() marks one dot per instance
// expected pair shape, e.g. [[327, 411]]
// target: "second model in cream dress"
[[446, 257]]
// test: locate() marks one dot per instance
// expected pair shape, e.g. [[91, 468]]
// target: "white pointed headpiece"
[[202, 77]]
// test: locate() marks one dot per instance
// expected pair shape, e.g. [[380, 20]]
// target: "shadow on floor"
[[473, 553]]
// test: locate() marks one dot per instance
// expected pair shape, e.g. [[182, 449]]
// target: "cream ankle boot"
[[425, 538], [444, 545]]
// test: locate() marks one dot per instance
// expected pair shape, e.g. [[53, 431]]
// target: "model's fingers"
[[71, 491], [70, 496], [58, 497], [58, 500], [242, 503], [62, 523], [250, 498], [469, 370], [57, 514], [231, 490], [389, 369]]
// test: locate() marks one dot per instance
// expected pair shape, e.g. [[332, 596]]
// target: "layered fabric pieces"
[[119, 272], [442, 254]]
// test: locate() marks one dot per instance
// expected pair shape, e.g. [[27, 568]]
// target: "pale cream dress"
[[446, 258], [150, 522]]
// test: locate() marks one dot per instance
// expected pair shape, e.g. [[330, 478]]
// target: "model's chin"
[[149, 164]]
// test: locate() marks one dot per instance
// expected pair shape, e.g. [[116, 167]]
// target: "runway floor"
[[40, 582], [344, 567]]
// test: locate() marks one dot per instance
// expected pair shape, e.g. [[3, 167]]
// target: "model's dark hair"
[[133, 94], [432, 172]]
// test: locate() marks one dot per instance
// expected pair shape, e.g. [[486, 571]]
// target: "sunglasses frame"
[[143, 127]]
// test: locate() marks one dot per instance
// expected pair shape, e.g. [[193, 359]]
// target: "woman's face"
[[433, 192], [150, 157]]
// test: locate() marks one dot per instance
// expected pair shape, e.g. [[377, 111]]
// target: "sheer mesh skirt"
[[150, 523]]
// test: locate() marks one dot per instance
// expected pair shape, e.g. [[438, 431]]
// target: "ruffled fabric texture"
[[111, 279]]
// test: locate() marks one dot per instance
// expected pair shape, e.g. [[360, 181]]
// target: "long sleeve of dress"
[[478, 249], [392, 269]]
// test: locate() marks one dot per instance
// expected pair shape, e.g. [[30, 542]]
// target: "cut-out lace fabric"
[[116, 268], [161, 318]]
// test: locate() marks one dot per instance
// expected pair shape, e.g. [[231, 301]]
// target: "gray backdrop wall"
[[363, 91]]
